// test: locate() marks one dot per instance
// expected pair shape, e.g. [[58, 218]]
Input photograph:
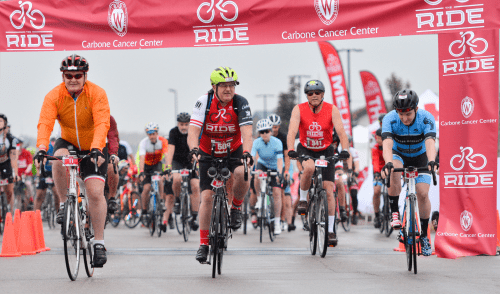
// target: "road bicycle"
[[77, 229], [129, 204], [317, 211], [48, 206], [385, 213], [219, 230], [265, 203], [156, 205], [246, 215], [183, 219], [348, 209], [4, 208], [411, 229]]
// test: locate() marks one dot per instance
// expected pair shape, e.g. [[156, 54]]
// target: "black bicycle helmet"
[[335, 137], [381, 117], [183, 117], [314, 85], [405, 100], [74, 63], [4, 118], [379, 133]]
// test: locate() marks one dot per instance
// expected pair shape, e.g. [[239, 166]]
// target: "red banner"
[[336, 76], [127, 24], [468, 90], [375, 103]]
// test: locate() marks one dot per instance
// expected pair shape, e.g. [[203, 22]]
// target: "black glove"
[[40, 155], [112, 158], [349, 172], [377, 176], [356, 174], [293, 154], [388, 167], [247, 155], [433, 164], [344, 154], [192, 152], [95, 151]]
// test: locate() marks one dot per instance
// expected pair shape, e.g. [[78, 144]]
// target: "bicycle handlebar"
[[51, 157], [410, 169]]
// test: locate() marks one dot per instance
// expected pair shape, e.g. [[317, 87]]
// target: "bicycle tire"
[[3, 211], [158, 219], [313, 232], [337, 213], [270, 219], [88, 253], [322, 224], [245, 212], [113, 219], [71, 239], [407, 241], [131, 217], [152, 216], [387, 216], [222, 239], [347, 224], [51, 216], [215, 239], [262, 218], [186, 229], [413, 233]]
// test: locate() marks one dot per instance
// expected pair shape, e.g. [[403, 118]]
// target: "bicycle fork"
[[411, 197]]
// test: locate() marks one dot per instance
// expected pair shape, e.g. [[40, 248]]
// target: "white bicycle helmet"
[[152, 127], [264, 124], [275, 119], [122, 164]]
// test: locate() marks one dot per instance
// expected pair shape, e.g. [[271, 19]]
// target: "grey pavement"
[[364, 261]]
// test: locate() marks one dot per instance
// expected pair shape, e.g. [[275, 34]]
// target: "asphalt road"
[[363, 262]]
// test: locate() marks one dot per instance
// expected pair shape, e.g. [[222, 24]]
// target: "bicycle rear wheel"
[[71, 237], [158, 219], [262, 218], [322, 223], [3, 211], [88, 253], [313, 232], [51, 211], [152, 216], [245, 212]]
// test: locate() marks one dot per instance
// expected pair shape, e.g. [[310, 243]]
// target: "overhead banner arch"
[[125, 24], [468, 53]]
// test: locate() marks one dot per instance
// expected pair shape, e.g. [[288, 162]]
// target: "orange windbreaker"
[[84, 123]]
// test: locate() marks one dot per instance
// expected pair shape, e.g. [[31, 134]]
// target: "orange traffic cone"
[[36, 241], [401, 247], [17, 225], [39, 236], [9, 246], [26, 240]]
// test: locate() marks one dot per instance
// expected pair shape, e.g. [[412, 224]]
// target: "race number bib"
[[221, 147], [315, 143]]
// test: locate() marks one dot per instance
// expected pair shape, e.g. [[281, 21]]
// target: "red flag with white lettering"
[[336, 76], [468, 90], [375, 104]]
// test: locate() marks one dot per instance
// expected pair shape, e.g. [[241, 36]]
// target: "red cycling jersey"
[[316, 128], [377, 159], [23, 161]]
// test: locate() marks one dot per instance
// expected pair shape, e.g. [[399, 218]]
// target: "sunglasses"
[[314, 93], [70, 77], [264, 132]]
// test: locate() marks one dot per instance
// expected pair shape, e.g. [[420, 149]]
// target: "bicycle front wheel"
[[71, 236], [322, 226], [270, 218], [313, 232], [131, 217], [185, 212], [215, 239], [413, 234]]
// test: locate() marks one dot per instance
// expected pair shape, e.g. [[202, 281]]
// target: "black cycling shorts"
[[42, 184], [87, 168], [329, 172], [176, 165], [205, 180], [6, 170], [274, 182], [149, 169], [417, 161]]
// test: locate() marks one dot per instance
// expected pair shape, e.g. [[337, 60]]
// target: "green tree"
[[395, 84], [286, 103]]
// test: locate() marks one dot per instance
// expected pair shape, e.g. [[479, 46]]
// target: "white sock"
[[331, 222], [277, 221], [303, 195], [99, 242]]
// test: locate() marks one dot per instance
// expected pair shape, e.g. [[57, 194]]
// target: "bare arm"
[[13, 161], [246, 135], [193, 135], [293, 128], [387, 152], [141, 163], [430, 149], [339, 128], [170, 154]]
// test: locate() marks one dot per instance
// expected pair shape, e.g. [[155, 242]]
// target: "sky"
[[137, 82]]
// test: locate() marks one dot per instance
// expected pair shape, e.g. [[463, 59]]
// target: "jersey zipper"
[[76, 127]]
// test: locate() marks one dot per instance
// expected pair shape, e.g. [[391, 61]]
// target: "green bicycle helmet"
[[223, 74]]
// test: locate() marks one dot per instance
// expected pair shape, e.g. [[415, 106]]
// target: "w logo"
[[467, 106], [327, 10], [118, 17]]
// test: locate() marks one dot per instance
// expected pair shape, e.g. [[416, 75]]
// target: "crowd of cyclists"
[[220, 125]]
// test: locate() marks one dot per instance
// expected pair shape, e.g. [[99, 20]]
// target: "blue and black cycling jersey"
[[409, 141], [268, 152]]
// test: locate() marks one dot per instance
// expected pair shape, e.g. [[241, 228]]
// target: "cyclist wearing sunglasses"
[[82, 109], [268, 151], [409, 138], [316, 120], [224, 117]]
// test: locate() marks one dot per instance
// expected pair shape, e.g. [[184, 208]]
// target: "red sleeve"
[[113, 137], [375, 159]]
